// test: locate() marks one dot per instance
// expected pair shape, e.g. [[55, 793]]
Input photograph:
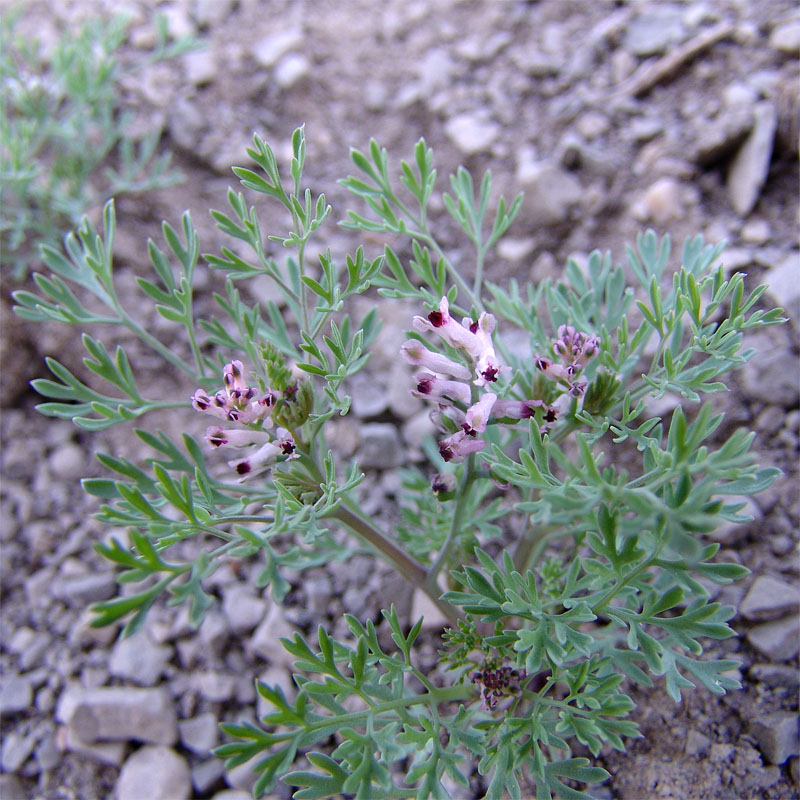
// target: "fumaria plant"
[[565, 532]]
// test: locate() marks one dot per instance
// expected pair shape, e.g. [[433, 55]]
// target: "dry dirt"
[[573, 86]]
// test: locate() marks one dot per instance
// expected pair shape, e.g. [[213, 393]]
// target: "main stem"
[[408, 567]]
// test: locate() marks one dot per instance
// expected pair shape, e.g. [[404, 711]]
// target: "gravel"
[[609, 119]]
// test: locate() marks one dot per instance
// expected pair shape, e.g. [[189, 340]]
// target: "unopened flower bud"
[[443, 485]]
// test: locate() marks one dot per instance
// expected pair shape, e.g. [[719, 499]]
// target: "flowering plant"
[[564, 530]]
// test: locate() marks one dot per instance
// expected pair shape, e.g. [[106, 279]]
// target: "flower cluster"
[[474, 339], [459, 412], [243, 404], [575, 349], [497, 683]]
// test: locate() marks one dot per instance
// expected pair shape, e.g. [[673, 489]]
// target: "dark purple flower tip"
[[287, 447], [550, 415], [436, 318], [490, 374], [445, 451], [290, 392], [243, 467], [425, 385], [542, 363], [473, 326]]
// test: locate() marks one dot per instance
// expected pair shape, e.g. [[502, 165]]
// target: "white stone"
[[118, 713], [786, 37], [211, 12], [550, 193], [512, 249], [242, 608], [783, 285], [381, 447], [201, 66], [472, 132], [214, 686], [112, 753], [266, 638], [592, 124], [155, 773], [756, 231], [199, 734], [138, 659], [292, 68], [769, 598], [750, 166], [268, 51], [15, 695], [68, 461], [778, 640], [662, 201], [423, 606]]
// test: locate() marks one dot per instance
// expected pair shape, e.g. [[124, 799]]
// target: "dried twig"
[[651, 74]]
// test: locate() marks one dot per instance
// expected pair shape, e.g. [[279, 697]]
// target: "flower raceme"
[[458, 406], [471, 336], [237, 402], [243, 404], [575, 349]]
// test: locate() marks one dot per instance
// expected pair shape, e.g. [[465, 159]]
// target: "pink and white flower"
[[429, 387], [417, 354], [458, 446], [477, 416], [266, 456], [228, 437], [237, 402]]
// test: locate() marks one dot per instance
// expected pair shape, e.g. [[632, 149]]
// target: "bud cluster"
[[574, 349], [243, 404]]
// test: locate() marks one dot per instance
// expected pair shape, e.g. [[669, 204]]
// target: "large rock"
[[119, 714], [137, 658], [779, 640], [770, 598], [750, 166], [155, 773], [777, 736], [550, 193]]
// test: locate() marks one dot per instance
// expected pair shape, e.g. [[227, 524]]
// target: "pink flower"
[[459, 445], [266, 456], [222, 437], [454, 334], [477, 416], [416, 353], [429, 387], [257, 462], [237, 402], [556, 372], [473, 337], [516, 409]]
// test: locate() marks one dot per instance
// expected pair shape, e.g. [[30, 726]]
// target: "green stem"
[[530, 546], [408, 567], [433, 697], [455, 527], [423, 232], [151, 340], [477, 285], [301, 252]]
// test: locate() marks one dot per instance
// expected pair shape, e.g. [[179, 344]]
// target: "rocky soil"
[[612, 117]]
